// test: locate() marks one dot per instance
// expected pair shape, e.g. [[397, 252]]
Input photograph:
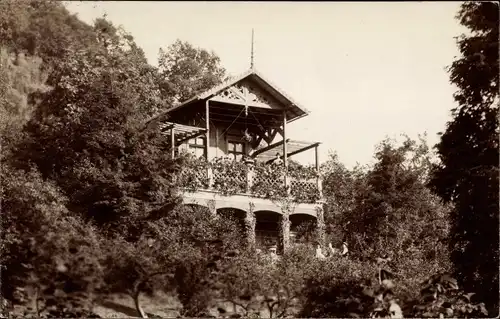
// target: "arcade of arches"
[[265, 228]]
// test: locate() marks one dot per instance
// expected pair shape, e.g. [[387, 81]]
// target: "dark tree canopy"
[[187, 70], [88, 134], [468, 150], [42, 28]]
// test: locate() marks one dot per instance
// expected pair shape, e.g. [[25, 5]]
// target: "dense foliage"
[[89, 193], [187, 71], [468, 173]]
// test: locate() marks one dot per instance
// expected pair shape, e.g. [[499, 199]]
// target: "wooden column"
[[207, 143], [318, 178], [316, 158], [207, 127], [250, 176], [172, 141], [285, 151]]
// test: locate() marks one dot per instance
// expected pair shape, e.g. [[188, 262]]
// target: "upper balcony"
[[256, 179], [246, 119]]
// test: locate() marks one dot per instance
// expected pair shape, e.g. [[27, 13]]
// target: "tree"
[[88, 135], [342, 189], [206, 245], [45, 249], [387, 211], [467, 175], [187, 71], [42, 28], [20, 77]]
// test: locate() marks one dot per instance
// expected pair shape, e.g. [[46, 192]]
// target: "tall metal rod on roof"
[[251, 53]]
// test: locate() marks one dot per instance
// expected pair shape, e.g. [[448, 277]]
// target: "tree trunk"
[[137, 291], [136, 295]]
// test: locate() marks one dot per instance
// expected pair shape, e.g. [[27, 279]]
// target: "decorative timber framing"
[[179, 133], [266, 135]]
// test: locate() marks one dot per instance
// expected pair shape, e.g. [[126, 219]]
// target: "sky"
[[365, 70]]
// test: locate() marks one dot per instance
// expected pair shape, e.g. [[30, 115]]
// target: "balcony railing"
[[230, 177]]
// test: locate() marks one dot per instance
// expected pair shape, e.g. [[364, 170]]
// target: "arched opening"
[[303, 229], [234, 214], [267, 229]]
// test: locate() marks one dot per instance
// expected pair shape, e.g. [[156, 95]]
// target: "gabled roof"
[[294, 110]]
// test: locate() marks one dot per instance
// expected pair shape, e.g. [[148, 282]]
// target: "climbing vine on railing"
[[194, 173], [303, 183], [268, 181], [299, 171], [229, 176]]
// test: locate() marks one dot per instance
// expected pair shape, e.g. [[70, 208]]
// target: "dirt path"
[[122, 306]]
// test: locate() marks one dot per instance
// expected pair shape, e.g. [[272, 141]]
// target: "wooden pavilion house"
[[245, 120]]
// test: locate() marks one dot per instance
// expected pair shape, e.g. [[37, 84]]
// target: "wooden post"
[[285, 155], [316, 157], [285, 151], [319, 184], [207, 141], [250, 175], [207, 127], [172, 141]]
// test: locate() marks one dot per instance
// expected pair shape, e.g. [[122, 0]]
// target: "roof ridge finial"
[[251, 54]]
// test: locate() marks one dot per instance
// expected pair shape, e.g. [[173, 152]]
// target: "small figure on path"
[[319, 252], [272, 254], [345, 250], [332, 251]]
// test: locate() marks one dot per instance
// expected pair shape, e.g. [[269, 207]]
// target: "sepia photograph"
[[249, 159]]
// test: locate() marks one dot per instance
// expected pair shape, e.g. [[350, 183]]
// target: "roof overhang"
[[275, 151], [292, 109], [181, 132]]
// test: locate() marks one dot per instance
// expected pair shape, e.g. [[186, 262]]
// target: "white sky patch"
[[364, 70]]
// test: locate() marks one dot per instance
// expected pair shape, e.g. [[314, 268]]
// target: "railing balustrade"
[[230, 177]]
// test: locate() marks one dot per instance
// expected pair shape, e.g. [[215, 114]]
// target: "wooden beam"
[[238, 122], [273, 134], [267, 148], [172, 141], [303, 149], [236, 108], [166, 127], [297, 151], [207, 128], [256, 142], [201, 132], [238, 102], [285, 155], [267, 138], [238, 93], [279, 130], [316, 157], [262, 134]]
